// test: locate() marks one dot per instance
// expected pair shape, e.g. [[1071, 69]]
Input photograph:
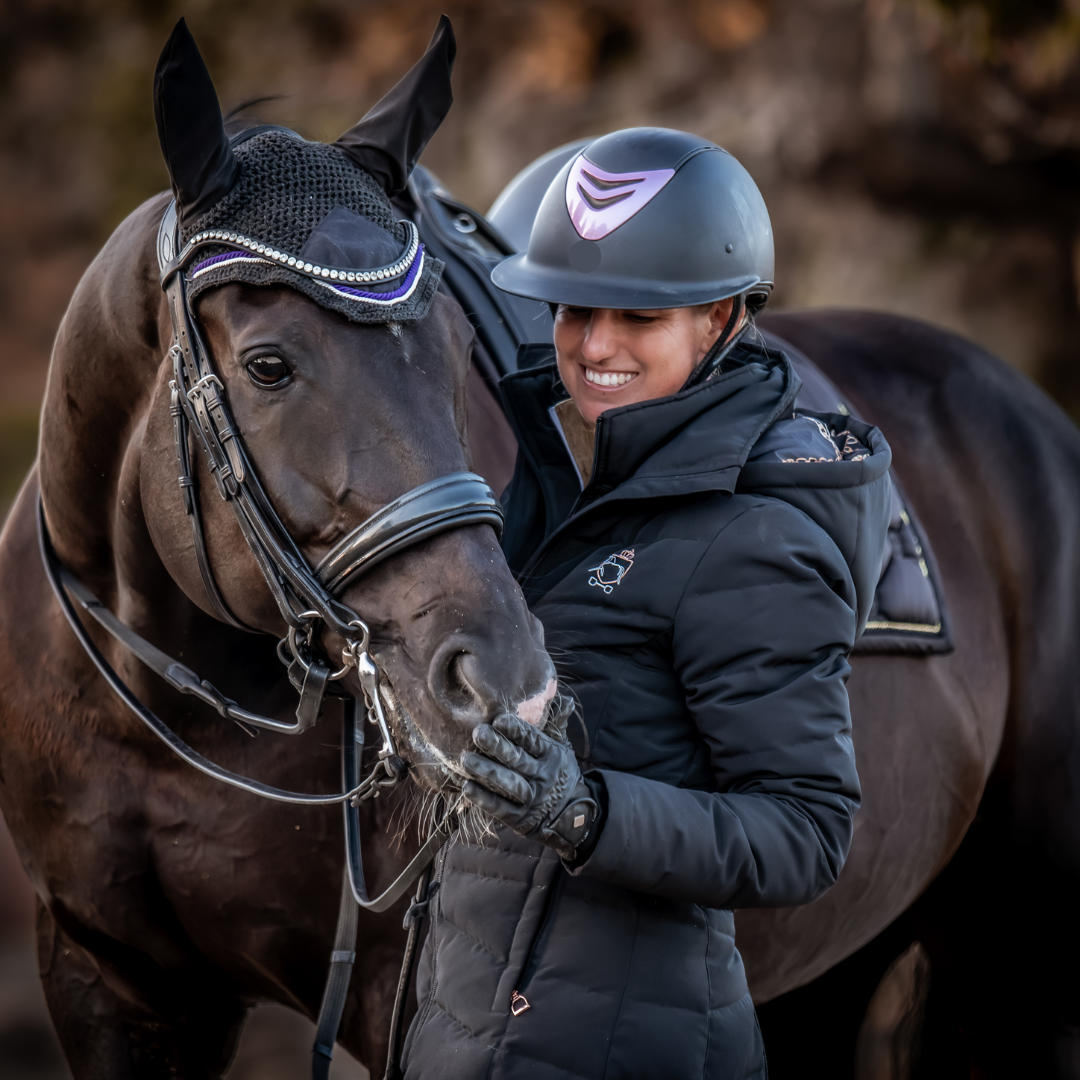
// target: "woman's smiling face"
[[610, 357]]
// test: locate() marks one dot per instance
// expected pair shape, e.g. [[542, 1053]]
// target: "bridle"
[[307, 599]]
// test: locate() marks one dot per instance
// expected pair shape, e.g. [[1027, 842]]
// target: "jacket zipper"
[[577, 509], [518, 1002]]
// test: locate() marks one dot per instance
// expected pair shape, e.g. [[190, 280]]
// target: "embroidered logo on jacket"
[[612, 570]]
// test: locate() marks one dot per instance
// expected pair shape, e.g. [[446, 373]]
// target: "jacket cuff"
[[607, 845], [594, 781]]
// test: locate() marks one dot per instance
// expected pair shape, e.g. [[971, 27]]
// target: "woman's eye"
[[269, 371], [635, 318]]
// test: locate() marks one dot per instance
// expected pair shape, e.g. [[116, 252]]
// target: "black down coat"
[[699, 598]]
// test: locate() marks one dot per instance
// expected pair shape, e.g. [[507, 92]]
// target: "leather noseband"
[[458, 499]]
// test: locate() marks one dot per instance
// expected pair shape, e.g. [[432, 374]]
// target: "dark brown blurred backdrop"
[[918, 156], [921, 156]]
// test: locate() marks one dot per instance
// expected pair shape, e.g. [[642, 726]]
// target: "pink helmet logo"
[[600, 201]]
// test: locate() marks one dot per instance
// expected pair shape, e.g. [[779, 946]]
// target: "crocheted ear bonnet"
[[272, 208]]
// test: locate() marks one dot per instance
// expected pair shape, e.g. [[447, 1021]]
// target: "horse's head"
[[347, 392]]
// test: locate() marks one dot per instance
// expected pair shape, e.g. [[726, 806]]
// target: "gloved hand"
[[532, 783]]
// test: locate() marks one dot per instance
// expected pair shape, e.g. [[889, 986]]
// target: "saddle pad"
[[908, 613]]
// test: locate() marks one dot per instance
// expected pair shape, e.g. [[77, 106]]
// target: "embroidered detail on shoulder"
[[806, 439], [850, 449]]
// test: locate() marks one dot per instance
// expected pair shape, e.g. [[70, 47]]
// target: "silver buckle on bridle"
[[355, 654]]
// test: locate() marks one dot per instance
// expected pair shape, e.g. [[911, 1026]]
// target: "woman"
[[702, 558]]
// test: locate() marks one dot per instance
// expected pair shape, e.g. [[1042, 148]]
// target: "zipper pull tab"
[[518, 1004]]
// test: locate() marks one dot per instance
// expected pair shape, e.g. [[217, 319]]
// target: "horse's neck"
[[107, 388], [105, 361], [105, 376]]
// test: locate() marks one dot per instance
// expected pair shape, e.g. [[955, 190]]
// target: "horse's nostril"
[[473, 680], [456, 682]]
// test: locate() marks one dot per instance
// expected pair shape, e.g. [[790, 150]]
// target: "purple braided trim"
[[403, 288], [358, 294], [235, 254]]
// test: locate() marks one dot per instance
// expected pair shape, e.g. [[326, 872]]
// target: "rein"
[[307, 600]]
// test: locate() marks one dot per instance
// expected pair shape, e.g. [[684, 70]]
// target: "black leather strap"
[[354, 858], [449, 502], [312, 692], [337, 983], [179, 676], [190, 494], [184, 679], [729, 337], [354, 896], [418, 909]]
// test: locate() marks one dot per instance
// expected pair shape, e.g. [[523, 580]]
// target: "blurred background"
[[918, 156]]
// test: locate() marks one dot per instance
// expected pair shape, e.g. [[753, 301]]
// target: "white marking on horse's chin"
[[533, 709]]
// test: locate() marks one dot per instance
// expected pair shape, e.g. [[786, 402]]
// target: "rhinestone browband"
[[298, 265]]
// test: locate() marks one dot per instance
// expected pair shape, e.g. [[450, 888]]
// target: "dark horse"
[[168, 904]]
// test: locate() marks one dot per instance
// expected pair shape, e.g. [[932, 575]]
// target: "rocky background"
[[918, 156]]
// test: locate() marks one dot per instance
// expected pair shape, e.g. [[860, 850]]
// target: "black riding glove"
[[532, 783]]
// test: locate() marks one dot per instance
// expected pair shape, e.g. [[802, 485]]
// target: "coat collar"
[[694, 441]]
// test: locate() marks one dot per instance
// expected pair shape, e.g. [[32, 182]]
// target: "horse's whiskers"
[[424, 809]]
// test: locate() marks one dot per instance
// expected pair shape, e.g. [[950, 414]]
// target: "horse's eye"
[[269, 372]]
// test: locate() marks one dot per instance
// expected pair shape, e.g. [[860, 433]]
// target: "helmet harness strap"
[[729, 337]]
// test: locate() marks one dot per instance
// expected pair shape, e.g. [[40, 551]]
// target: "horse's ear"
[[392, 136], [201, 163]]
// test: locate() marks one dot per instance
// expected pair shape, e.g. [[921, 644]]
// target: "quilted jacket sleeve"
[[760, 643]]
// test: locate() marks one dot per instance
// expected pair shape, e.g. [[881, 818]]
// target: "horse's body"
[[989, 733], [169, 903]]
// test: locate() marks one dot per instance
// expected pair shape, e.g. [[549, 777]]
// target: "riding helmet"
[[645, 218]]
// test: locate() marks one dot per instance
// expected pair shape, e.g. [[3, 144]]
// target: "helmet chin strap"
[[718, 352]]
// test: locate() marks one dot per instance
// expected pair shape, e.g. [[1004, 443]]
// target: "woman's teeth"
[[608, 378]]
